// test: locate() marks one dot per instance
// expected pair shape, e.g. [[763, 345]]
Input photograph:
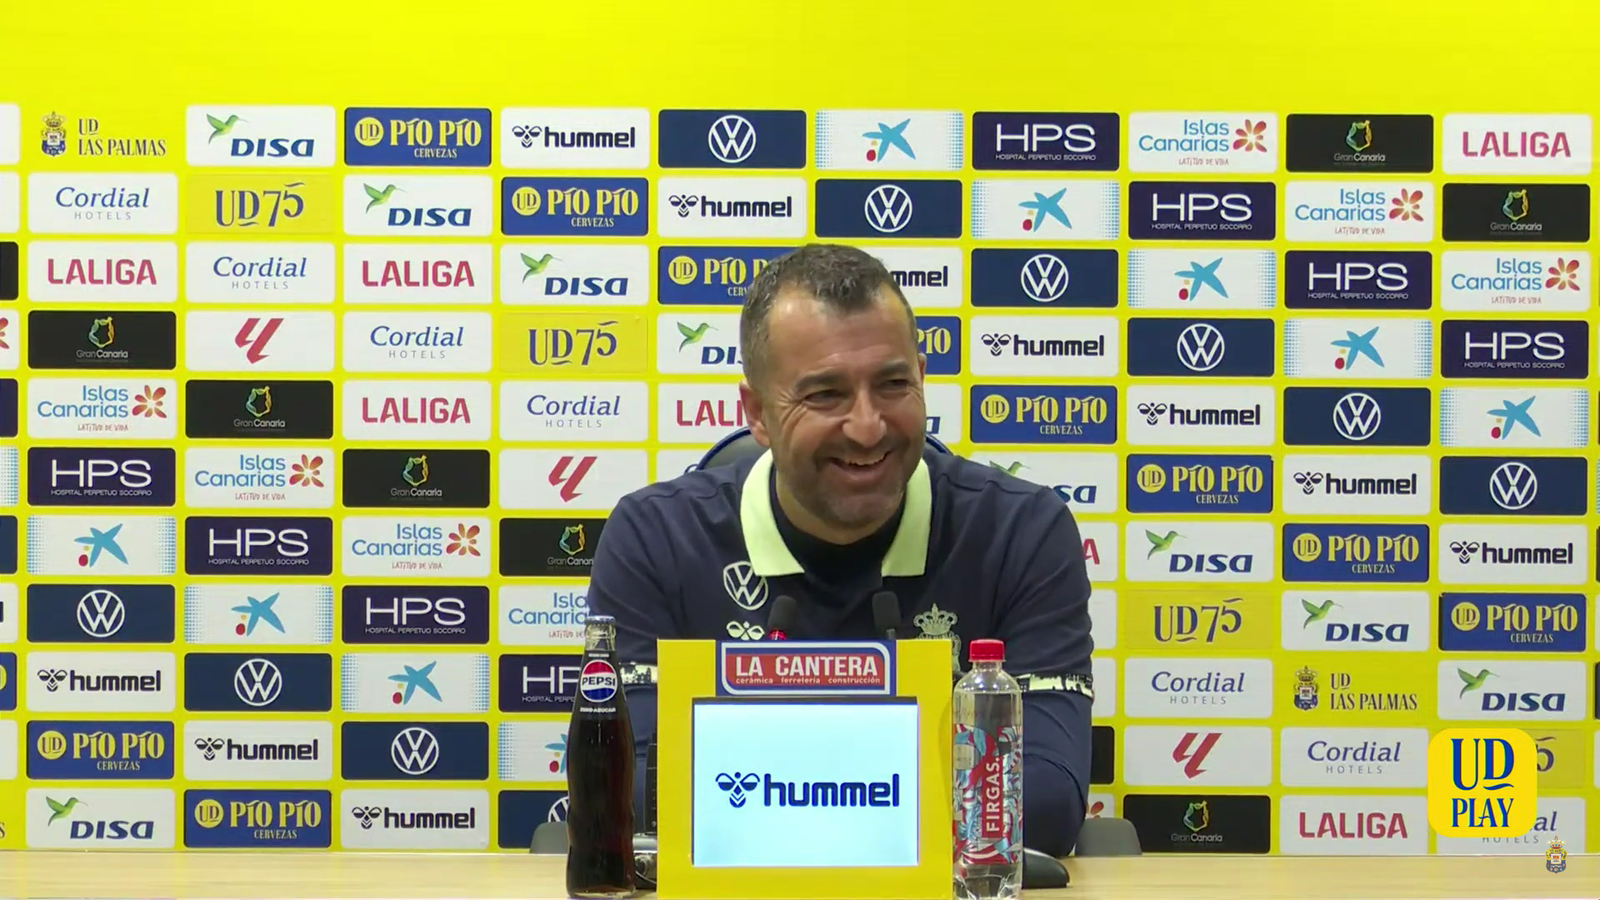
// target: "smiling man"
[[848, 501]]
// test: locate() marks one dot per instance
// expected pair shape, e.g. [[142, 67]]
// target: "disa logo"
[[1482, 782]]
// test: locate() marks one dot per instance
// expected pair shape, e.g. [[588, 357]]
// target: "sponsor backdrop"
[[321, 381]]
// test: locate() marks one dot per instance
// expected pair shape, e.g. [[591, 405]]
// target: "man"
[[845, 504]]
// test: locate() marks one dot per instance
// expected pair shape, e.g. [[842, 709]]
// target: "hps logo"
[[741, 786]]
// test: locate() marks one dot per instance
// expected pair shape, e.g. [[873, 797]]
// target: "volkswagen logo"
[[558, 810], [1357, 416], [101, 614], [1200, 347], [1513, 486], [888, 208], [744, 586], [1044, 278], [732, 139], [258, 682], [414, 751]]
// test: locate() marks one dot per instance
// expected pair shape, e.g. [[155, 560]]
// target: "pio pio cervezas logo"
[[1482, 782]]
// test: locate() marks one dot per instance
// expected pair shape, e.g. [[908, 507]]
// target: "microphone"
[[886, 613], [781, 617]]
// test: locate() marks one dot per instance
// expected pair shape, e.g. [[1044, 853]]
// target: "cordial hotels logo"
[[226, 272], [417, 410], [1506, 144], [1513, 554], [1075, 346], [732, 207], [260, 136], [1190, 688], [597, 412], [431, 342], [1193, 416], [570, 138], [418, 205], [103, 271], [1202, 142], [574, 274], [415, 547], [1358, 211], [101, 682], [1339, 757], [1515, 281], [245, 751], [419, 273], [102, 204]]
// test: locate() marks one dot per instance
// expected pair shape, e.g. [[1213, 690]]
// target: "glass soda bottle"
[[987, 718], [600, 773]]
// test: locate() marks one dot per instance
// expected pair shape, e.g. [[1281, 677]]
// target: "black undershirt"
[[829, 562]]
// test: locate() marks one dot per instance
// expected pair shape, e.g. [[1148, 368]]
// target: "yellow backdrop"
[[137, 73]]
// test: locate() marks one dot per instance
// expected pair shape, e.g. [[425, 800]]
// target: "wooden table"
[[316, 875]]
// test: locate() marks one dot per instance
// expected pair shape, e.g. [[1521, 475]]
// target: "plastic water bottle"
[[987, 716]]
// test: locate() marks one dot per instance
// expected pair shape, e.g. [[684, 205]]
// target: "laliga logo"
[[1482, 783], [738, 787]]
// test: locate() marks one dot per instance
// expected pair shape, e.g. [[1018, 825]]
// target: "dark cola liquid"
[[599, 795]]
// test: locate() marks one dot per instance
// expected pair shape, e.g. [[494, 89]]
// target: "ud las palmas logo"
[[1555, 859], [1482, 782]]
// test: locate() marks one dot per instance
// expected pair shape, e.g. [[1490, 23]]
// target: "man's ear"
[[922, 366], [750, 399]]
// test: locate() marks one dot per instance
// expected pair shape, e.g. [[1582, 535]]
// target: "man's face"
[[842, 409]]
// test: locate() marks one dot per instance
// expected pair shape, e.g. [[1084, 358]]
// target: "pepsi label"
[[597, 683]]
